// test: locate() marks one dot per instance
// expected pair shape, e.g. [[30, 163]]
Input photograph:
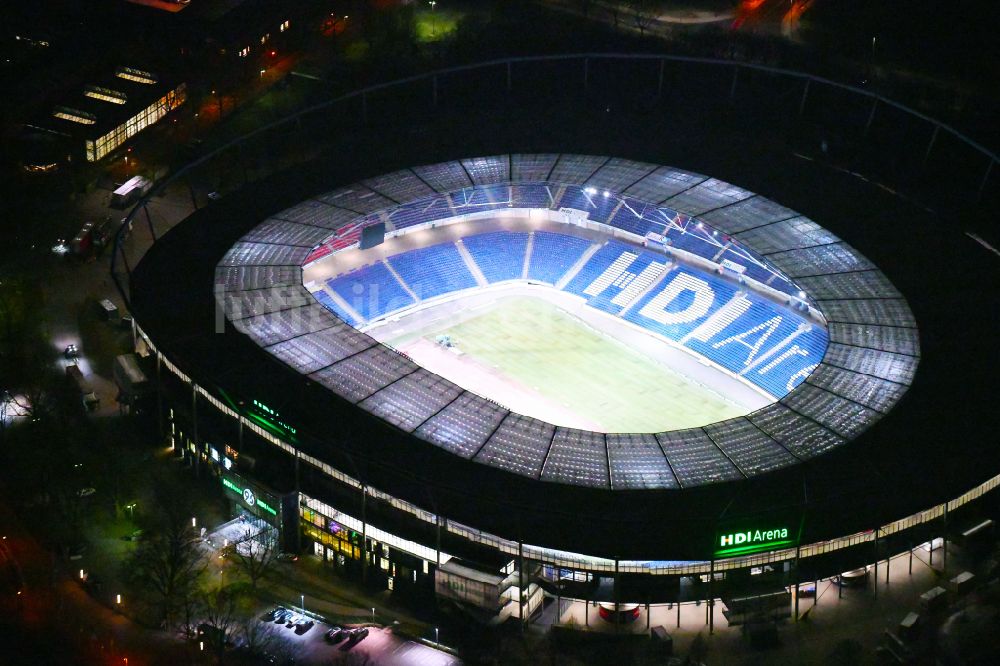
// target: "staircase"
[[402, 283], [527, 256], [470, 263], [580, 263]]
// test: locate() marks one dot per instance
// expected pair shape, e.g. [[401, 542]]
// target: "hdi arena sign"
[[751, 541]]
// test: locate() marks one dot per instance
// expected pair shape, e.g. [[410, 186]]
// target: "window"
[[105, 94], [136, 75], [140, 121], [245, 51], [74, 115], [283, 27]]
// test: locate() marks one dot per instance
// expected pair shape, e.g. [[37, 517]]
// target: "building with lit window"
[[109, 112]]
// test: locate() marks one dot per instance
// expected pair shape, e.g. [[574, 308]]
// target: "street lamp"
[[302, 598], [373, 616], [194, 522], [437, 641]]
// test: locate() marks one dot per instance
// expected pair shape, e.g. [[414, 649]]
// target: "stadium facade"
[[406, 478], [883, 446]]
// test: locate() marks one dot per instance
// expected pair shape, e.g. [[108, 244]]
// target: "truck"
[[130, 190], [131, 380], [87, 394], [83, 241]]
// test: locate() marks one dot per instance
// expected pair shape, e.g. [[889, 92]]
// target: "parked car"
[[272, 615], [303, 624], [282, 616], [336, 634], [357, 634], [288, 557]]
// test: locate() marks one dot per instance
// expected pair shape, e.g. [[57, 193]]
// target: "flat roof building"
[[112, 110]]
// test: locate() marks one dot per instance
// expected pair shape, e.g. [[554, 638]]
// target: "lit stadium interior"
[[711, 299]]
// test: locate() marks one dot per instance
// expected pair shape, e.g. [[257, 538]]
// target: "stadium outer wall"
[[881, 494]]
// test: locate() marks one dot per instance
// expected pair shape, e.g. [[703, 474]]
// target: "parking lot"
[[379, 646]]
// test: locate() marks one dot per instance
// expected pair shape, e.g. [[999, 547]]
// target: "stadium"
[[498, 376]]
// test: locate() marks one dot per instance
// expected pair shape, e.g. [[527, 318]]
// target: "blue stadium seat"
[[612, 252], [531, 196], [693, 241], [371, 290], [499, 255], [629, 283], [479, 199], [432, 271], [595, 204], [553, 254], [331, 305], [628, 218], [768, 344], [771, 345], [420, 212]]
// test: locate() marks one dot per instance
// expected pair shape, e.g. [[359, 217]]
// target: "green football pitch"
[[525, 352]]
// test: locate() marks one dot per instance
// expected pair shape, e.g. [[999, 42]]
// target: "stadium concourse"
[[398, 475]]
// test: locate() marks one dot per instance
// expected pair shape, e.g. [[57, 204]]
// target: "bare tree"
[[615, 11], [259, 638], [643, 14], [167, 560], [222, 609], [256, 552]]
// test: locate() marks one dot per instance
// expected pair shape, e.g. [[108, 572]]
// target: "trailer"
[[130, 190], [107, 309]]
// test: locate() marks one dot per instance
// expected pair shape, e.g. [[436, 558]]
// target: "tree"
[[643, 14], [25, 355], [261, 637], [167, 560], [223, 608], [256, 552], [116, 462]]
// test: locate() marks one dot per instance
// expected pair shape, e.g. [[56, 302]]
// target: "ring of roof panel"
[[871, 353]]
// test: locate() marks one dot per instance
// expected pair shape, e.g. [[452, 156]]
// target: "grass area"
[[435, 25], [553, 354]]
